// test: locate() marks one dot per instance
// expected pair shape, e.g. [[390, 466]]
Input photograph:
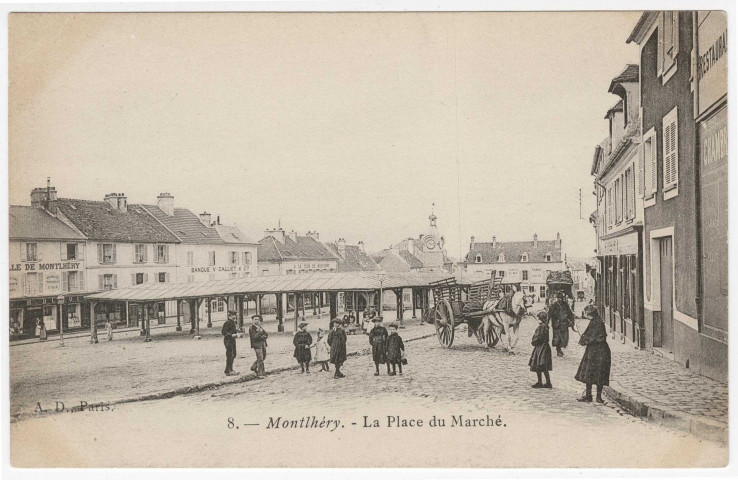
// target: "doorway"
[[666, 280]]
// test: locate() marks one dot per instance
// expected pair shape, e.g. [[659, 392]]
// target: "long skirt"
[[595, 365], [540, 359]]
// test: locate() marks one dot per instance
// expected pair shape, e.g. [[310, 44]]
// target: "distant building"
[[581, 272], [47, 260], [352, 258], [526, 264], [422, 254], [281, 253]]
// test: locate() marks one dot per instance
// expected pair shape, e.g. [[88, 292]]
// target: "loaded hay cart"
[[450, 310], [559, 281]]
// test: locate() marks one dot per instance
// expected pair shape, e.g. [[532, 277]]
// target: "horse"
[[502, 321]]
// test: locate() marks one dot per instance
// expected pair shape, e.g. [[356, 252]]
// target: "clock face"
[[430, 243]]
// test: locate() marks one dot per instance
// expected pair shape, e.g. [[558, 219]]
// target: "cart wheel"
[[493, 337], [444, 321]]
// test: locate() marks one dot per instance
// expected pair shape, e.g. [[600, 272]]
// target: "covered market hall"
[[356, 291]]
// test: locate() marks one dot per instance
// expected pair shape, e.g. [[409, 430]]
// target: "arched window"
[[524, 257], [478, 259]]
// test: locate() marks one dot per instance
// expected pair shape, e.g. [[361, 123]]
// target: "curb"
[[213, 385], [639, 406]]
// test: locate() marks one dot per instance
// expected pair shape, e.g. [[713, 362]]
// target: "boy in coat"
[[395, 350], [540, 360], [561, 319], [230, 332], [337, 342], [595, 365], [259, 343], [378, 341], [302, 342]]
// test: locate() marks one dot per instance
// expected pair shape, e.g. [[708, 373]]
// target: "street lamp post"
[[60, 303], [382, 274]]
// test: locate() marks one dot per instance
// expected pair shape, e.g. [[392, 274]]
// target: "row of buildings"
[[62, 249], [661, 188]]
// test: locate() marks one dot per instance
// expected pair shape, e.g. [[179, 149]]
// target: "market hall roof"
[[102, 221], [305, 248], [38, 224], [307, 282], [513, 251]]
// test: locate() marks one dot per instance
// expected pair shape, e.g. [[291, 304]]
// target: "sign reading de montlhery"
[[418, 239]]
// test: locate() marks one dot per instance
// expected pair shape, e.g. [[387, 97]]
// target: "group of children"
[[594, 369], [387, 347]]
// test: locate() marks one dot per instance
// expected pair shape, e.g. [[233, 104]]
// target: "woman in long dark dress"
[[337, 341], [302, 342], [378, 341], [540, 360], [595, 365]]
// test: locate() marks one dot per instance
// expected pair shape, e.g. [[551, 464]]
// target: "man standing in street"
[[561, 319], [259, 343], [230, 332]]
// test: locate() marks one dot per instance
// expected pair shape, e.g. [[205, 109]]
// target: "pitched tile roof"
[[186, 226], [306, 248], [231, 234], [411, 259], [618, 107], [36, 223], [629, 75], [354, 259], [514, 251], [100, 221]]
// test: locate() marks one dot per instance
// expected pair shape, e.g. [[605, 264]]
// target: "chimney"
[[217, 220], [341, 245], [165, 202], [117, 200], [494, 241], [293, 235], [277, 233], [535, 240], [314, 235], [45, 197], [471, 243], [361, 246], [557, 243], [205, 218]]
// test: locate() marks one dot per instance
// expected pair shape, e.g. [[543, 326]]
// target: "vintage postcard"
[[368, 239]]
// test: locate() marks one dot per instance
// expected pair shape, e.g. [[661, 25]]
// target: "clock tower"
[[432, 244]]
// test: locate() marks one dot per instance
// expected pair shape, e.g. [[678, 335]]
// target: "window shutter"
[[40, 277], [660, 48], [670, 150], [65, 281], [80, 251], [166, 253], [23, 251], [99, 253], [167, 278], [146, 278], [115, 281], [133, 279], [63, 250], [81, 281], [114, 256], [156, 253], [100, 282], [675, 33]]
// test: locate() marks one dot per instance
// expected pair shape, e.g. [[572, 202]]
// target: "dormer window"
[[501, 257], [478, 258], [524, 257], [548, 257]]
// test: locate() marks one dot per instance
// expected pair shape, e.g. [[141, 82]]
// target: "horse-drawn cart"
[[449, 310]]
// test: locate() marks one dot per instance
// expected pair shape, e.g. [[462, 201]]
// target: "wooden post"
[[414, 294], [148, 323], [93, 327], [195, 307], [179, 316], [209, 307], [258, 304], [302, 298], [297, 311], [333, 301], [314, 301], [281, 310], [128, 316], [239, 305], [193, 315]]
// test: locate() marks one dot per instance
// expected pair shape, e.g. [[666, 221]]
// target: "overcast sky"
[[348, 124]]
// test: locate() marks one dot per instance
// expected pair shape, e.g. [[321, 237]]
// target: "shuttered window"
[[629, 194], [668, 39], [619, 200], [650, 156], [671, 150], [106, 253]]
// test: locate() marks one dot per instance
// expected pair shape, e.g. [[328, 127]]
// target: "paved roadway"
[[536, 428]]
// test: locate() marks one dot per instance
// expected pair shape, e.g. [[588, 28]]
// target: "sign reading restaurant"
[[712, 59]]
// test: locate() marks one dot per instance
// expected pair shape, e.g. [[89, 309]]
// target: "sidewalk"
[[668, 394]]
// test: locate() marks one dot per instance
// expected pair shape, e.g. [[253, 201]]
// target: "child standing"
[[596, 361], [395, 350], [540, 359], [302, 342], [337, 342], [322, 351], [109, 330], [378, 341]]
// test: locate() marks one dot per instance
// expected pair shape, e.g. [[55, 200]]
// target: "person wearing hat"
[[395, 350], [302, 342], [562, 318], [259, 343], [337, 342], [540, 359], [378, 340], [230, 332], [596, 361]]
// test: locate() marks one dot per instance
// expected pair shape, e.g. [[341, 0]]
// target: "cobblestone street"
[[465, 380]]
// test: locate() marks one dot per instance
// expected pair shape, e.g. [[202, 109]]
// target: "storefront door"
[[667, 296], [31, 319]]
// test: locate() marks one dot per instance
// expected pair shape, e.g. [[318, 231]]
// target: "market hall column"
[[239, 305], [179, 316], [93, 327]]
